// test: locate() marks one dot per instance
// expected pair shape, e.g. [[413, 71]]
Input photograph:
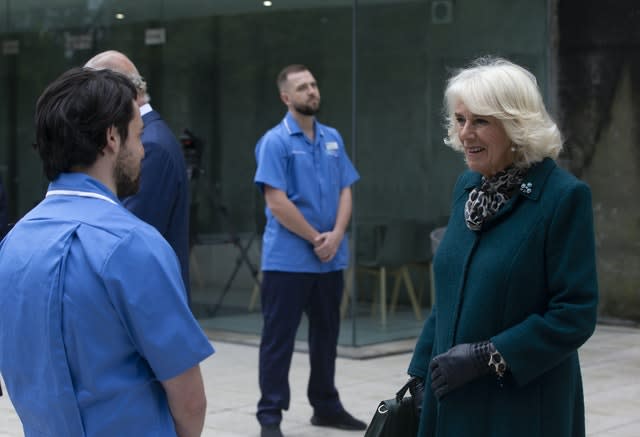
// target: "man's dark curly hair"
[[74, 113]]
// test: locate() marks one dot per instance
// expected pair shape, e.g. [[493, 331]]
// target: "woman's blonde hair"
[[496, 87]]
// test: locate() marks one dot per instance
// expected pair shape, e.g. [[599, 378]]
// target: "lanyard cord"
[[79, 194]]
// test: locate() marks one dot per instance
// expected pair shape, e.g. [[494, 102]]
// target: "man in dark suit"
[[163, 199]]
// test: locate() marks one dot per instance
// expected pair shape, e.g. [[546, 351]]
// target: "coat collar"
[[150, 116], [145, 109], [532, 183]]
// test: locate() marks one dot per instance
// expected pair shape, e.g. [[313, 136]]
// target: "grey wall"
[[599, 98]]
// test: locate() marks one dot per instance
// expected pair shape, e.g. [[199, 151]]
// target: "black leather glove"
[[459, 365], [416, 388]]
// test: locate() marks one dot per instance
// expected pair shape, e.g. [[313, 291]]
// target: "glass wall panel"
[[405, 50], [211, 68]]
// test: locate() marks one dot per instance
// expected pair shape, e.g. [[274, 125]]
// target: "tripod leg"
[[244, 253], [212, 197], [227, 286]]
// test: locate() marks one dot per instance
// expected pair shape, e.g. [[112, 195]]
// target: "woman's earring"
[[513, 147]]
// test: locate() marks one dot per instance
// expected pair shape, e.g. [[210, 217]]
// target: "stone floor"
[[610, 362]]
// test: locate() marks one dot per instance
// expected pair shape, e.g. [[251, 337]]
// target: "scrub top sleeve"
[[272, 159], [143, 279]]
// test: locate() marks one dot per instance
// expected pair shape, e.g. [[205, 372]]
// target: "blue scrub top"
[[93, 315], [312, 175]]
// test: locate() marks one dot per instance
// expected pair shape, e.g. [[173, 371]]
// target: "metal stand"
[[242, 258], [192, 147]]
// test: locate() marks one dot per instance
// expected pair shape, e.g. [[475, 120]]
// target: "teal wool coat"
[[526, 281]]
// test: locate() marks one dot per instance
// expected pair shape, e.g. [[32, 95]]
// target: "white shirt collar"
[[145, 109]]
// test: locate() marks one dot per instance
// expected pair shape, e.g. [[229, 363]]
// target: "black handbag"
[[395, 417]]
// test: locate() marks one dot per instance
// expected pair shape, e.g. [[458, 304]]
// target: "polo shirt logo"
[[331, 145], [331, 148]]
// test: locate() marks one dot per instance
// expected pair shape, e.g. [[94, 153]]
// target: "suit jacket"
[[163, 199], [527, 281]]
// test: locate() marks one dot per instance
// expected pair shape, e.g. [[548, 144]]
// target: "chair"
[[391, 250]]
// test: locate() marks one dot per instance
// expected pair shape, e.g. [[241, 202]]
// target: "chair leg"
[[255, 293], [405, 276], [395, 293], [346, 292], [383, 295], [412, 292]]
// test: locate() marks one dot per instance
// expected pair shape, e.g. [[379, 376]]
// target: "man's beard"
[[126, 185], [307, 109]]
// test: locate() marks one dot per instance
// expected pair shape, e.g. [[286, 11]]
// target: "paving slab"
[[610, 364]]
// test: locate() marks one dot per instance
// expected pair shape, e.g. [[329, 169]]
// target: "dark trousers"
[[284, 297]]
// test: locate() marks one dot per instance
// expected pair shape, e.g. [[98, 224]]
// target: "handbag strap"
[[400, 394]]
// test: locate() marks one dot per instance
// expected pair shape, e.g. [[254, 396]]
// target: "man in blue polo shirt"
[[306, 178], [96, 337]]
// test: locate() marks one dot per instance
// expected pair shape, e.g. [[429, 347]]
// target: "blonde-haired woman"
[[515, 275]]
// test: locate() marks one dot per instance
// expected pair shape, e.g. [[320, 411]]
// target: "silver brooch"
[[526, 187]]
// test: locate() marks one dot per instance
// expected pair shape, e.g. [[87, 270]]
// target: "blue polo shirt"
[[93, 315], [312, 175]]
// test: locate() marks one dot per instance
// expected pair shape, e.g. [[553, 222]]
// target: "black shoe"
[[342, 420], [271, 431]]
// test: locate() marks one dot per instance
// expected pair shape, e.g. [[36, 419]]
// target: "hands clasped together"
[[326, 245]]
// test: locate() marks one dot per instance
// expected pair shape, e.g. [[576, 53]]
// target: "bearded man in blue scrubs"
[[306, 178], [96, 337]]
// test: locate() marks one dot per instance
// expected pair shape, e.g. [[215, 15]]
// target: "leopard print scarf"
[[487, 199]]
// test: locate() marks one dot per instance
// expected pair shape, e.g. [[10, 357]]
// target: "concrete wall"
[[599, 100]]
